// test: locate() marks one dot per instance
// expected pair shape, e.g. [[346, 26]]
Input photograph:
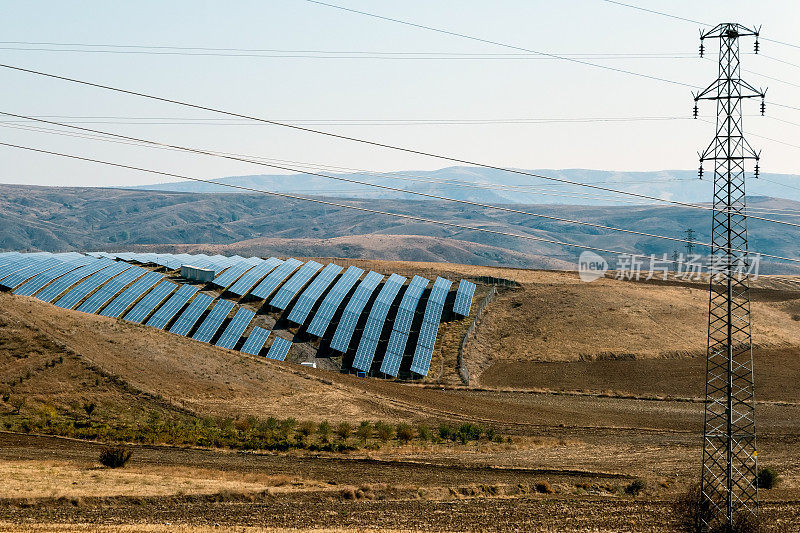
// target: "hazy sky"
[[352, 89]]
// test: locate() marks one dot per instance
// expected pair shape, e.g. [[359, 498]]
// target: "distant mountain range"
[[60, 219], [495, 186]]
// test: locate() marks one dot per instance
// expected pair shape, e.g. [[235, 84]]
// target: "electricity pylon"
[[728, 482]]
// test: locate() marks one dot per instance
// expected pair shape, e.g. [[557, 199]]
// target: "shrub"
[[635, 487], [384, 431], [344, 430], [88, 408], [424, 433], [305, 429], [324, 430], [115, 456], [404, 433], [445, 432], [544, 487], [766, 478], [17, 402], [491, 434], [692, 511], [364, 431]]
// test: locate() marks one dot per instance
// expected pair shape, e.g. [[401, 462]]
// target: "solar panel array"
[[279, 349], [309, 297], [161, 318], [324, 315], [249, 280], [106, 292], [56, 288], [183, 325], [464, 295], [401, 327], [365, 352], [289, 290], [153, 299], [71, 299], [35, 284], [126, 298], [235, 328], [430, 327], [107, 284], [20, 270], [213, 321], [275, 278], [352, 311], [255, 341]]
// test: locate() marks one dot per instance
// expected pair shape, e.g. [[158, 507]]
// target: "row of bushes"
[[248, 433]]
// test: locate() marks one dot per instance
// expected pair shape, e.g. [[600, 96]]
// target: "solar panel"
[[312, 293], [72, 298], [365, 352], [464, 294], [401, 327], [20, 271], [105, 293], [276, 277], [279, 349], [54, 289], [122, 302], [213, 321], [353, 310], [430, 327], [230, 276], [290, 289], [183, 325], [235, 328], [30, 287], [153, 299], [249, 280], [161, 318], [255, 341], [322, 318]]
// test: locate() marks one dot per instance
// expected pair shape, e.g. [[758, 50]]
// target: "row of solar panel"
[[49, 275], [245, 274]]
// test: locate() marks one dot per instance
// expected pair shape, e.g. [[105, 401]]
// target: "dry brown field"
[[594, 385]]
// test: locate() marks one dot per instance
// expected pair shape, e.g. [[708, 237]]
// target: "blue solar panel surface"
[[401, 327], [276, 277], [312, 293], [249, 280], [464, 294], [279, 349], [108, 291], [213, 321], [71, 299], [286, 294], [347, 324], [122, 302], [232, 274], [322, 318], [183, 325], [365, 352], [153, 299], [30, 287], [19, 272], [58, 286], [430, 327], [161, 318], [255, 341], [235, 328]]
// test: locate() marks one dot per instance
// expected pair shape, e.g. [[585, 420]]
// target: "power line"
[[663, 14], [345, 206], [497, 43], [349, 180], [366, 141]]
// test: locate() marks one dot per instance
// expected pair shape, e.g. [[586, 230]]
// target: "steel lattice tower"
[[728, 482]]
